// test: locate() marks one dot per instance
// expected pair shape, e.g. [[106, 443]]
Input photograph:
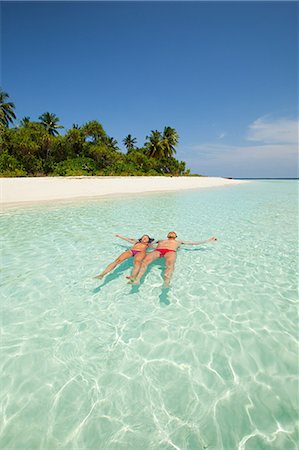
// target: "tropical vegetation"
[[7, 114], [36, 148]]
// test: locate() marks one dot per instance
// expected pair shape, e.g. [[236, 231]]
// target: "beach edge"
[[43, 189]]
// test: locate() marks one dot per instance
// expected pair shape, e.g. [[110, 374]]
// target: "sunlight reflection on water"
[[209, 363]]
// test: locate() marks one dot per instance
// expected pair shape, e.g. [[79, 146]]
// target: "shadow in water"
[[135, 287], [164, 296], [119, 270]]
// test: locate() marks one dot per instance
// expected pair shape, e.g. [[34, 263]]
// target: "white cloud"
[[271, 132], [275, 154], [225, 153], [245, 161]]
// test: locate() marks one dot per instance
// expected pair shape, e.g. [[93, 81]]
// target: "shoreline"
[[43, 189]]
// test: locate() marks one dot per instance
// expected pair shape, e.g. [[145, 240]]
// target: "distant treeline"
[[35, 148]]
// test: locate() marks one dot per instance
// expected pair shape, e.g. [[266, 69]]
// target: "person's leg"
[[170, 262], [145, 262], [137, 264], [118, 260]]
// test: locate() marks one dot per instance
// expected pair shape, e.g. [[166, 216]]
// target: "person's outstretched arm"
[[211, 239], [131, 240]]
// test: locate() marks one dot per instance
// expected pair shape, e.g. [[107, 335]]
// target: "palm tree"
[[170, 140], [7, 114], [50, 122], [155, 146], [129, 142], [94, 131], [111, 143], [25, 121]]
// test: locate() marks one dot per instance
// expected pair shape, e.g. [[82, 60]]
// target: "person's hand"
[[213, 238]]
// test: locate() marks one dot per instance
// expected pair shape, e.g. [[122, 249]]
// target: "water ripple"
[[211, 363]]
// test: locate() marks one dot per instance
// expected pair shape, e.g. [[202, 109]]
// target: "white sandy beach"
[[38, 189]]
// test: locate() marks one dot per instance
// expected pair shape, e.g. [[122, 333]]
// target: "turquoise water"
[[210, 364]]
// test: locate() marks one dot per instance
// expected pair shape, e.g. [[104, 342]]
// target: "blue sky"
[[223, 74]]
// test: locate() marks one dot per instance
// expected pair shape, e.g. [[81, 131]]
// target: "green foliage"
[[7, 114], [162, 145], [10, 166], [170, 140], [25, 121], [104, 156], [75, 167], [60, 150], [139, 159], [75, 140], [111, 143], [36, 148], [30, 145], [33, 165], [171, 166], [129, 142], [21, 143], [154, 145], [94, 131], [50, 122]]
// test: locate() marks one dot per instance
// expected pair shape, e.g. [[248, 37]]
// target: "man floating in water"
[[166, 249]]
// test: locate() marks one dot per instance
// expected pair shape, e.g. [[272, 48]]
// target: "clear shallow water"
[[212, 364]]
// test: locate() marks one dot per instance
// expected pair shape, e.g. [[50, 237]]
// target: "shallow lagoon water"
[[211, 363]]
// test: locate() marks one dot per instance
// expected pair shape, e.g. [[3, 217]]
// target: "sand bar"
[[38, 189]]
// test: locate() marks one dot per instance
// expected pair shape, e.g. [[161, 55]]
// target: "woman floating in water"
[[138, 252]]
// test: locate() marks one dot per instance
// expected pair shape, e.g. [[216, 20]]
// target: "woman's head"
[[145, 239]]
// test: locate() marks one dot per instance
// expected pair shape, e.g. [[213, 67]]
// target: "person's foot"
[[99, 277], [129, 277], [133, 281]]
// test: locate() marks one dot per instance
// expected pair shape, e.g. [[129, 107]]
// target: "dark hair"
[[150, 240]]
